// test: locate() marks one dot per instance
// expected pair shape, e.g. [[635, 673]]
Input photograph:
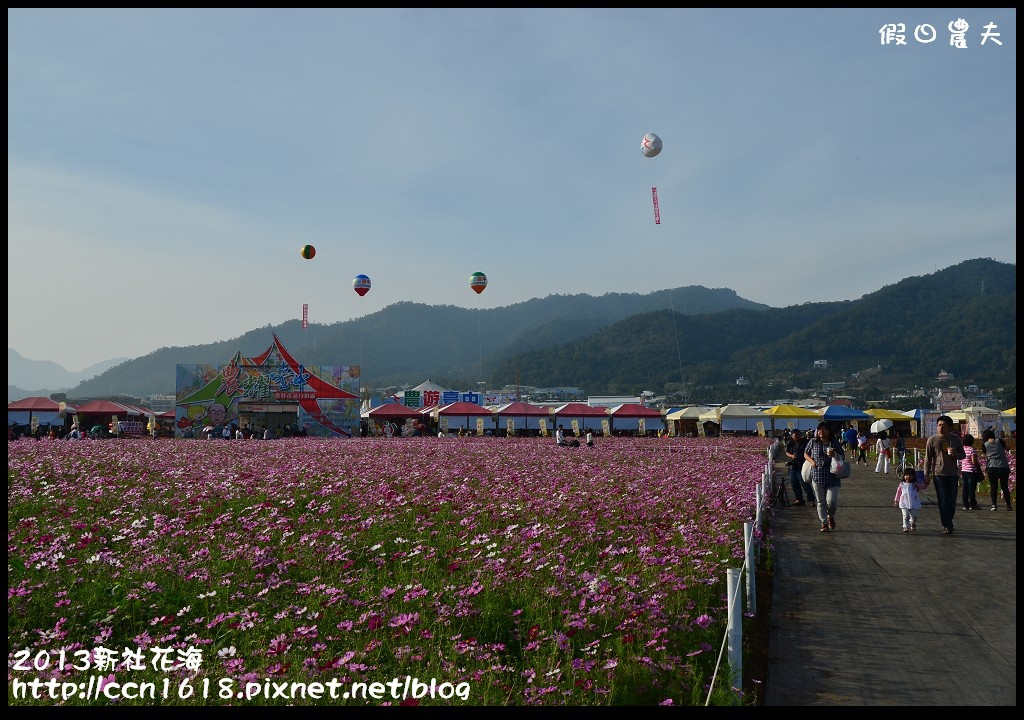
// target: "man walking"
[[943, 452], [850, 440], [795, 447]]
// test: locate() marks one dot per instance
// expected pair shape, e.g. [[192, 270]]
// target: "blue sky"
[[165, 167]]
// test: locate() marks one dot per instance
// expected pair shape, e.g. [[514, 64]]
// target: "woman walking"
[[819, 453], [997, 467], [970, 473], [883, 448]]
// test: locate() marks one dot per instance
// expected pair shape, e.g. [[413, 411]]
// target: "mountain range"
[[48, 375], [688, 341]]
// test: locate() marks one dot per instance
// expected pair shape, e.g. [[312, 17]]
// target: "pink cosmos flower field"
[[524, 573]]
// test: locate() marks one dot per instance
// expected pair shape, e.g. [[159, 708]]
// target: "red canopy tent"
[[634, 410], [576, 409], [627, 417], [522, 409], [394, 410], [42, 404], [455, 412], [109, 407], [464, 408], [101, 412], [587, 417], [43, 409], [382, 415], [522, 414]]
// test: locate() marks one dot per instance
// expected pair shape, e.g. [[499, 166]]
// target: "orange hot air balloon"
[[308, 251], [478, 281], [361, 284]]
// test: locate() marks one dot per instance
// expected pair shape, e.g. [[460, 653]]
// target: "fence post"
[[748, 540], [735, 629]]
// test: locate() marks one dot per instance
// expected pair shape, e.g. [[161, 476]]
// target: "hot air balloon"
[[361, 284], [650, 145], [478, 281], [308, 251]]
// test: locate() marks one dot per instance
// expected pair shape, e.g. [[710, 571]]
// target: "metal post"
[[735, 628], [748, 542]]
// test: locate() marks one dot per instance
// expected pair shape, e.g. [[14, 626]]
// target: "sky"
[[165, 167]]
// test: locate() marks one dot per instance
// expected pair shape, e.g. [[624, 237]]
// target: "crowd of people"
[[951, 463]]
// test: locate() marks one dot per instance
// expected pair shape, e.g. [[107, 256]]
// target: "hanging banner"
[[305, 316]]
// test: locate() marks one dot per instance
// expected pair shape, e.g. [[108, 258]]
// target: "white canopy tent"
[[737, 418]]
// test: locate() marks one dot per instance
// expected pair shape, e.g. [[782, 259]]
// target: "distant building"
[[613, 400], [821, 364], [742, 381], [159, 403], [944, 376], [948, 399]]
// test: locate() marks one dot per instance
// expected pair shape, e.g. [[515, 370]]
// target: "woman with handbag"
[[821, 450]]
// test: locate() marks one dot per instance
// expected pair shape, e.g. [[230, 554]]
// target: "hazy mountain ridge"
[[43, 377], [961, 319]]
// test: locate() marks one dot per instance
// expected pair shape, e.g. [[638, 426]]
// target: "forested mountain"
[[961, 319], [406, 343]]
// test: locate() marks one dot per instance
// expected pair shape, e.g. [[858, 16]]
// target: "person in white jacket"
[[882, 446], [907, 499]]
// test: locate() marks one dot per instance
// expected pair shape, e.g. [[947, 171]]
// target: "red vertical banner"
[[657, 211], [305, 316]]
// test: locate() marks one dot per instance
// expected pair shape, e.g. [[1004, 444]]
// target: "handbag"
[[805, 471], [839, 468]]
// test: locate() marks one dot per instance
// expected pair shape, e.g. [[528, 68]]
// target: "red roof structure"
[[577, 409], [634, 410], [522, 409], [38, 404], [109, 407], [464, 409], [394, 410]]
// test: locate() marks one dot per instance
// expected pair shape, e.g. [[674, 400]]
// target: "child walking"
[[907, 499]]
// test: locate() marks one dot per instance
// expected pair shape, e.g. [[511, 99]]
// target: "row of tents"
[[42, 411], [694, 420], [524, 417], [746, 418]]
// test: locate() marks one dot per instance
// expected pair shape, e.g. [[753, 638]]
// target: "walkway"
[[867, 615]]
